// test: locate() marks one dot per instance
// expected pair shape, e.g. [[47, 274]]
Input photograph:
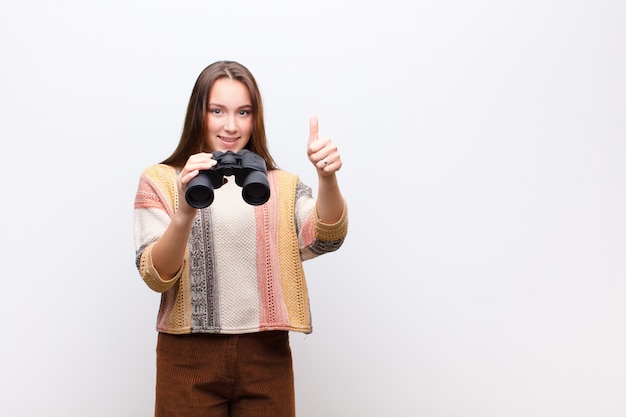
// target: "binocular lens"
[[255, 194], [256, 188], [199, 192]]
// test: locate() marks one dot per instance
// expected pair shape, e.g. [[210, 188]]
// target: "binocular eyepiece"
[[250, 173]]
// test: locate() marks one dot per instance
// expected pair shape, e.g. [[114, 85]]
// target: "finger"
[[313, 129], [324, 163], [200, 161]]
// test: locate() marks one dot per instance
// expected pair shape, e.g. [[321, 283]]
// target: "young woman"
[[231, 274]]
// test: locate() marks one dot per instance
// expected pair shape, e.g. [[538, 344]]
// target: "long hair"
[[192, 139]]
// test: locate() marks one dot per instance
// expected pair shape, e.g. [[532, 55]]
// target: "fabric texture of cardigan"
[[242, 271]]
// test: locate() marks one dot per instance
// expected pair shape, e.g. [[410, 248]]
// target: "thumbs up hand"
[[322, 152]]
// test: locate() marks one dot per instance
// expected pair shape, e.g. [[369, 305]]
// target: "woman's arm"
[[324, 155], [169, 250]]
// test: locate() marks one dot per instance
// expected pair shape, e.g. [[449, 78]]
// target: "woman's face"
[[230, 120]]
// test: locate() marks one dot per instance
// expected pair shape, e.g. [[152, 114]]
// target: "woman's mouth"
[[228, 139]]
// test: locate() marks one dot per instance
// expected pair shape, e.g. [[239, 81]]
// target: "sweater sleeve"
[[315, 237], [155, 203]]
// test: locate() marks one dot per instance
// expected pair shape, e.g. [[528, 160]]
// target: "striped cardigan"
[[242, 271]]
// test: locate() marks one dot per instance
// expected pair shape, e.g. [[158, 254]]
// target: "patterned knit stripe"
[[334, 232], [148, 196], [179, 316], [291, 271], [204, 292], [273, 309], [156, 185], [165, 318]]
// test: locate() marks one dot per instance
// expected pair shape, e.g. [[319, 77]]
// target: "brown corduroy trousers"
[[209, 375]]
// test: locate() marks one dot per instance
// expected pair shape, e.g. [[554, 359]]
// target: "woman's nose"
[[230, 125]]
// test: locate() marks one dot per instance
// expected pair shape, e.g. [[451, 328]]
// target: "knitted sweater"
[[242, 271]]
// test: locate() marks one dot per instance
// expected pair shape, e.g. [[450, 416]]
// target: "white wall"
[[483, 144]]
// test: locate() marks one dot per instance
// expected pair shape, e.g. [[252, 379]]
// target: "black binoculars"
[[250, 174]]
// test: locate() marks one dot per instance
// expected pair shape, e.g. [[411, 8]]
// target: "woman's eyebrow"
[[215, 104]]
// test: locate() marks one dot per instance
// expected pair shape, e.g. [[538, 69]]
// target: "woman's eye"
[[244, 112], [216, 111]]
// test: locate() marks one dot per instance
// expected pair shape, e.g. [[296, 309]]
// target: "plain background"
[[484, 148]]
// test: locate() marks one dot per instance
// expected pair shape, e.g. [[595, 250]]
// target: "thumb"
[[313, 129]]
